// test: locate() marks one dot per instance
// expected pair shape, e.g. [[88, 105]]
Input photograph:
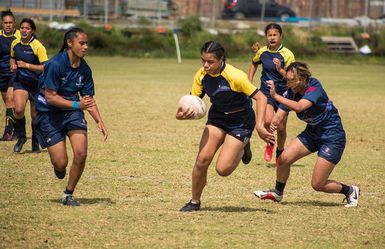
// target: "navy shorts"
[[52, 127], [239, 125], [31, 88], [265, 89], [330, 148], [6, 81]]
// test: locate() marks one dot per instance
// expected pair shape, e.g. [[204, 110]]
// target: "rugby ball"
[[195, 103]]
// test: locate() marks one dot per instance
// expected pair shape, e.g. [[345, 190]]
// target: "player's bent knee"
[[317, 186], [224, 171]]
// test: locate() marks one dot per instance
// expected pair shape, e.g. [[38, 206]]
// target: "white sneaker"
[[352, 199], [269, 194]]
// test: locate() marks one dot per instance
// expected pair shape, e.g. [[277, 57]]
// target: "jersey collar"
[[3, 34], [279, 48]]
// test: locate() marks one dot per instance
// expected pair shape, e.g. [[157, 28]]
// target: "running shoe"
[[68, 200], [190, 207], [269, 194], [352, 198], [268, 154], [247, 155]]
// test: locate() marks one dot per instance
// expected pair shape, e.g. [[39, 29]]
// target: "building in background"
[[179, 8]]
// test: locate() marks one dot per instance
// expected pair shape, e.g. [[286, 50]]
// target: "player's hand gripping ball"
[[195, 103]]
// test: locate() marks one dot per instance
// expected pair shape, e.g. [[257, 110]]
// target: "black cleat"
[[190, 207], [68, 200], [35, 147], [19, 144], [247, 155]]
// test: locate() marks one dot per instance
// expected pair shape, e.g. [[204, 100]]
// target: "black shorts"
[[239, 125], [6, 81], [265, 89]]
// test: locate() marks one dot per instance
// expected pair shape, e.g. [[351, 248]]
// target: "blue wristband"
[[75, 105]]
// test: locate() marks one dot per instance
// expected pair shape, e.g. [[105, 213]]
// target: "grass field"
[[135, 183]]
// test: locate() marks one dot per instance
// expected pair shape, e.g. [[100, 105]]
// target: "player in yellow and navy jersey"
[[274, 58], [231, 118], [8, 34], [28, 56]]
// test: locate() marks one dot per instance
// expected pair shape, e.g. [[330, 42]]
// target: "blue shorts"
[[239, 125], [6, 81], [265, 89], [31, 88], [52, 127], [329, 148]]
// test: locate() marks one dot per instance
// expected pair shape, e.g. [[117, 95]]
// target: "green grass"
[[135, 183]]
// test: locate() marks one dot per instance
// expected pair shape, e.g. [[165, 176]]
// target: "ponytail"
[[70, 35]]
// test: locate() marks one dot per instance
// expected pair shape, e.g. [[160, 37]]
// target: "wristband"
[[75, 105]]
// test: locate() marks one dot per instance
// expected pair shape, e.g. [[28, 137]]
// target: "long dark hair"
[[215, 48], [70, 35]]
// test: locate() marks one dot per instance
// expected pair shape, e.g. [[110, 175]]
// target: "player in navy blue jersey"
[[324, 133], [274, 58], [28, 56], [231, 118], [8, 34], [66, 88]]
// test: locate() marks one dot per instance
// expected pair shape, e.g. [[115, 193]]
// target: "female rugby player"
[[66, 88], [8, 34], [324, 133], [231, 118], [274, 58], [28, 56]]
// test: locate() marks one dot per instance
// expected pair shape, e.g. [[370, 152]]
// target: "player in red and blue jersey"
[[66, 88], [273, 58], [28, 56], [231, 118], [324, 133], [8, 34]]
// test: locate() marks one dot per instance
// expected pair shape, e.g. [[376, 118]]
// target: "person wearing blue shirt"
[[28, 56], [231, 118], [274, 58], [324, 133], [66, 89], [8, 34]]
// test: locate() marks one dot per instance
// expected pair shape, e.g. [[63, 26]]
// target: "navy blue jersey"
[[5, 49], [322, 113], [32, 52], [68, 82], [265, 57], [230, 90]]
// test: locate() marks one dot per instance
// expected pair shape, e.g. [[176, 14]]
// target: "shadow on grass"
[[311, 203], [89, 201], [230, 209], [272, 165]]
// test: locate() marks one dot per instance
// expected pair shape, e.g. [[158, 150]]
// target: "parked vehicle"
[[240, 9]]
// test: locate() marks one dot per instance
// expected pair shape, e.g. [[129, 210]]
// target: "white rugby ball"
[[195, 103]]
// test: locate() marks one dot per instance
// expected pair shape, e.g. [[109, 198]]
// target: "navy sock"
[[278, 152], [68, 192], [279, 187], [346, 190]]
